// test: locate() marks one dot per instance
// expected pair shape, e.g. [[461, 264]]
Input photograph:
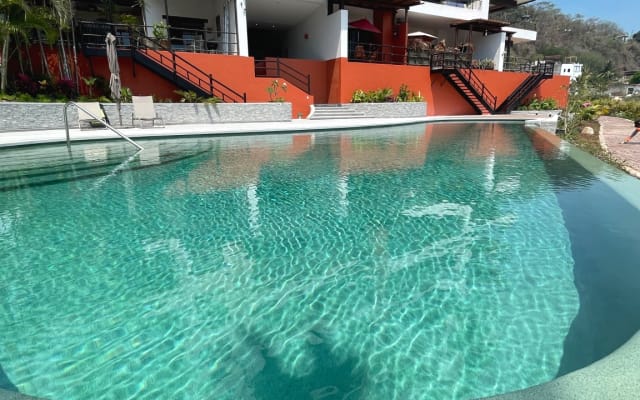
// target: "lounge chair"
[[143, 110], [87, 119]]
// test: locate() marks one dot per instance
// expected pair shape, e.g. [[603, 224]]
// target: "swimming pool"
[[424, 261]]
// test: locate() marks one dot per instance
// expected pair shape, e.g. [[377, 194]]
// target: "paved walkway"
[[613, 131]]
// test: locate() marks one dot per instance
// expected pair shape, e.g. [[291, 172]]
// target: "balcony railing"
[[377, 53], [180, 39]]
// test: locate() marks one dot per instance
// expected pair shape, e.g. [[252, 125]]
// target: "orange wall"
[[556, 87], [332, 81], [347, 77], [317, 70], [502, 84], [143, 83], [446, 100], [239, 74]]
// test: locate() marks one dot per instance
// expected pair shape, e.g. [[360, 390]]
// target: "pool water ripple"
[[423, 262]]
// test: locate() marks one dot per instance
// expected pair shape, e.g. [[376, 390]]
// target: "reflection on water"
[[427, 261]]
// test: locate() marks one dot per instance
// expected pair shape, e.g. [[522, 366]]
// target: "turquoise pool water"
[[419, 262]]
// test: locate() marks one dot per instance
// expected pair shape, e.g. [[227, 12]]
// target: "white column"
[[241, 19]]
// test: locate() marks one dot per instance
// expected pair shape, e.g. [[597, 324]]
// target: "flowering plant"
[[273, 89]]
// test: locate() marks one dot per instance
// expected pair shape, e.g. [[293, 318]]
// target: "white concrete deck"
[[19, 138]]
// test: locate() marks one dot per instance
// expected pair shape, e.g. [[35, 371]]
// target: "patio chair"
[[86, 118], [144, 110]]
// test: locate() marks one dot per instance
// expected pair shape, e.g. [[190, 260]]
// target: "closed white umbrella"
[[114, 68], [421, 34]]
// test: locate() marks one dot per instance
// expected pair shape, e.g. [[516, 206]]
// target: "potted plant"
[[161, 34]]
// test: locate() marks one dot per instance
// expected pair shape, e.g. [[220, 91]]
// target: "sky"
[[625, 13]]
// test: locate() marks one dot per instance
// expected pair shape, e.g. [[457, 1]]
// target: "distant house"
[[621, 89], [572, 70]]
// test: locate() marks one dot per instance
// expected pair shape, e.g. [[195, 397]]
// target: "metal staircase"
[[182, 73], [538, 74], [161, 60], [456, 69]]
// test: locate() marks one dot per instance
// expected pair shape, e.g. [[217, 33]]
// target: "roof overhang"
[[497, 5], [481, 25], [378, 4]]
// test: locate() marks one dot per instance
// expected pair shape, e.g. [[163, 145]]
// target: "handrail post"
[[211, 84], [309, 83], [106, 124], [66, 123], [175, 68]]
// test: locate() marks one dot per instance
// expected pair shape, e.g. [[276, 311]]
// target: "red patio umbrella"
[[364, 25]]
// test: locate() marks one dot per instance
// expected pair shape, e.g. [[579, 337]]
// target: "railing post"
[[211, 84], [309, 83], [175, 69]]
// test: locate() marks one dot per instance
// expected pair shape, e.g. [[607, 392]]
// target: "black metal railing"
[[461, 63], [377, 53], [161, 52], [92, 35], [276, 68], [182, 68]]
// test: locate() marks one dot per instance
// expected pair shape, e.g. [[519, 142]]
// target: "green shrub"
[[541, 104], [385, 95]]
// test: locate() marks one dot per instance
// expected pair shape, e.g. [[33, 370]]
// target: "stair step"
[[335, 111]]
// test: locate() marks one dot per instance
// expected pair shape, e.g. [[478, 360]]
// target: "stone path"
[[613, 131]]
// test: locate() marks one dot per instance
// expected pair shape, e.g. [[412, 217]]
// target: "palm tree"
[[13, 14]]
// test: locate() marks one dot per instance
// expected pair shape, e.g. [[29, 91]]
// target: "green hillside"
[[602, 46]]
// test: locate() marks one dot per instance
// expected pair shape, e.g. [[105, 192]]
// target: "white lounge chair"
[[87, 113], [144, 110]]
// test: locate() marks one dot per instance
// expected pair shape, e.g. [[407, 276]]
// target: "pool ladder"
[[105, 123]]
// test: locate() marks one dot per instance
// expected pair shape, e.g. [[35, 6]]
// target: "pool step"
[[335, 111]]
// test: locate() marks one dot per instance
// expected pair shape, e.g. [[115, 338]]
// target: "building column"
[[241, 26]]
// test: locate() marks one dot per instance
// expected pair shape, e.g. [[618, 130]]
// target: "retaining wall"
[[15, 116], [391, 110]]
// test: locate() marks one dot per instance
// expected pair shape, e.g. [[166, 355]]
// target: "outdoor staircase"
[[163, 61], [456, 70], [334, 111], [276, 68], [187, 76], [526, 87], [479, 103]]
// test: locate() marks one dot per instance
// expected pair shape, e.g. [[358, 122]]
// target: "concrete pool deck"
[[30, 137], [613, 377]]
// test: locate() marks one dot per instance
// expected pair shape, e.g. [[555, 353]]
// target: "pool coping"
[[613, 377], [35, 137]]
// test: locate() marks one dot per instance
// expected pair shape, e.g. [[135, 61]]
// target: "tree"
[[13, 14], [635, 79]]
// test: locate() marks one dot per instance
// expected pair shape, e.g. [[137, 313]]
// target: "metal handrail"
[[194, 75], [105, 123], [279, 69], [461, 62]]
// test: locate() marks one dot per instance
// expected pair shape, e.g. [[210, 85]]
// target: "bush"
[[385, 95], [538, 105]]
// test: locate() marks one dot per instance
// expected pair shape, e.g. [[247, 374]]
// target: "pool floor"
[[425, 261]]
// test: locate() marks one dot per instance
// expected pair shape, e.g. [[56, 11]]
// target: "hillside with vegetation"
[[602, 46]]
